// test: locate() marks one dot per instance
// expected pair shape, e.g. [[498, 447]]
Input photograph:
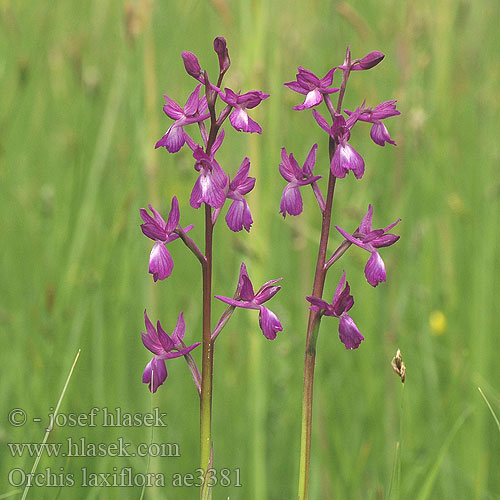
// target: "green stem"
[[307, 403], [207, 356], [312, 335], [322, 267]]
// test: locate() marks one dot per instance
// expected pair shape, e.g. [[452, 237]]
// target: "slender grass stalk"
[[490, 408], [49, 429]]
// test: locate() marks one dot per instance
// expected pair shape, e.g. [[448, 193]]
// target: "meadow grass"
[[82, 86]]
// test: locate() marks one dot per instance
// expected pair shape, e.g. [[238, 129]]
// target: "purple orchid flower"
[[155, 228], [238, 216], [341, 303], [345, 157], [370, 239], [379, 132], [312, 87], [239, 117], [291, 199], [194, 111], [212, 183], [247, 299], [164, 347]]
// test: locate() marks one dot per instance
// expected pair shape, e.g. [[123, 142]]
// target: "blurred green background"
[[81, 86]]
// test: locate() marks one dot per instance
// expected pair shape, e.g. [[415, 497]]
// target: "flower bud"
[[221, 50], [371, 60], [191, 64]]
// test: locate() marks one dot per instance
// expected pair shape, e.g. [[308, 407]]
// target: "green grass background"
[[81, 91]]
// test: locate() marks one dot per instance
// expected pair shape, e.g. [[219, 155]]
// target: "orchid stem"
[[314, 316], [207, 356], [312, 334]]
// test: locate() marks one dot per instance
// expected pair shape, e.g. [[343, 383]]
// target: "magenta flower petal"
[[310, 161], [150, 344], [318, 304], [375, 269], [269, 323], [179, 330], [193, 102], [242, 122], [160, 262], [173, 140], [380, 134], [239, 216], [349, 333], [366, 223], [150, 339], [245, 287], [157, 371], [321, 121], [172, 109], [173, 216], [207, 191], [166, 342], [347, 158], [296, 87], [313, 98], [291, 201], [352, 239]]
